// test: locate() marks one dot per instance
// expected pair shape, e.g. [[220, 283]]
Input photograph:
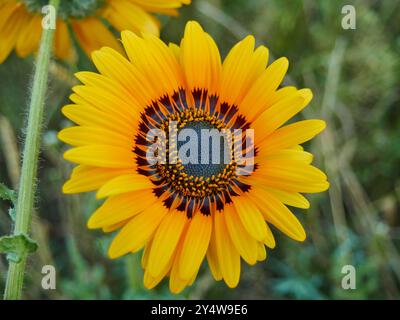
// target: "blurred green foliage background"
[[355, 77]]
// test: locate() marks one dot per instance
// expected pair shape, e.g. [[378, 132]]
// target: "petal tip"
[[91, 224], [231, 283], [66, 188], [113, 252], [101, 193]]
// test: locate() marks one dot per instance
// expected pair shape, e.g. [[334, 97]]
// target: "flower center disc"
[[204, 163], [188, 151], [210, 150]]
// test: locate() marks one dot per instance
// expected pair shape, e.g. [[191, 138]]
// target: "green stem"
[[27, 184]]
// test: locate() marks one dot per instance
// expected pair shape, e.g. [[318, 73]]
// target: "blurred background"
[[355, 77]]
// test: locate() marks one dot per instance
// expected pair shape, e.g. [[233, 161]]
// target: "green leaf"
[[17, 246], [7, 194]]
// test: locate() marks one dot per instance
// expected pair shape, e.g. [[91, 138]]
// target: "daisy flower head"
[[21, 23], [138, 141]]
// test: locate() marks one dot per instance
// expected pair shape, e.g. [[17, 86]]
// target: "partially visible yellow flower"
[[179, 212], [21, 23]]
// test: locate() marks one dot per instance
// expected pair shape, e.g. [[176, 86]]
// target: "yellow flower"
[[180, 212], [21, 23]]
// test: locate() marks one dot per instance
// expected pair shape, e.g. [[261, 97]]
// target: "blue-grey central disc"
[[204, 159]]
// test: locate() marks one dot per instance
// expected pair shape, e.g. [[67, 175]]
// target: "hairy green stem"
[[27, 184]]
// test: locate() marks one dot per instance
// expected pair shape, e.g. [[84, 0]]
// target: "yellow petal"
[[154, 62], [150, 282], [269, 240], [113, 65], [123, 184], [294, 186], [285, 154], [137, 232], [29, 37], [87, 115], [291, 170], [7, 9], [293, 199], [244, 243], [157, 5], [10, 29], [100, 82], [261, 252], [279, 95], [86, 178], [177, 284], [62, 41], [109, 100], [289, 175], [101, 156], [280, 216], [212, 257], [292, 135], [240, 69], [254, 103], [146, 253], [202, 70], [297, 148], [120, 208], [80, 136], [278, 114], [175, 50], [195, 245], [113, 227], [125, 15], [251, 217], [228, 256], [165, 241], [92, 34]]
